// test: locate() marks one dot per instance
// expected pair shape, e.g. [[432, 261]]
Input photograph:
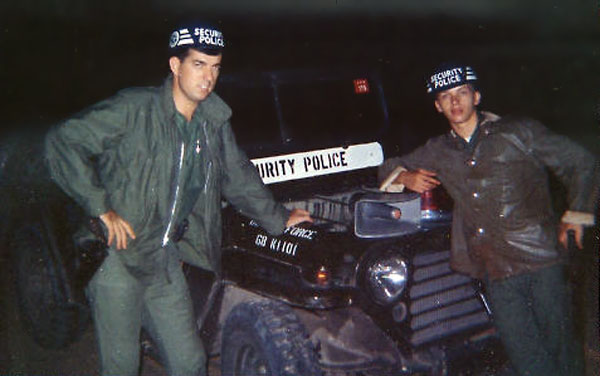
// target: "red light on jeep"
[[428, 201], [361, 86], [436, 204]]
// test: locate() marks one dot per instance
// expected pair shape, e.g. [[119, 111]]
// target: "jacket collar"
[[484, 127], [213, 108], [487, 118]]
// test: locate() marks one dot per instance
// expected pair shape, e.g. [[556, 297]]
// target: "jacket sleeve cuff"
[[388, 184], [97, 206], [578, 218], [278, 225]]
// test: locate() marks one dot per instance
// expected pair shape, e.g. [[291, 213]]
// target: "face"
[[195, 77], [458, 104]]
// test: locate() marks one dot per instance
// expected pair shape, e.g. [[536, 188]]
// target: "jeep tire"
[[46, 313], [266, 338]]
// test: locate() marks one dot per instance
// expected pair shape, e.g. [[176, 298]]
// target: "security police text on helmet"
[[456, 96], [195, 60]]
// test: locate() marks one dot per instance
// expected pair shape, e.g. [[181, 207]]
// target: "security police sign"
[[318, 162]]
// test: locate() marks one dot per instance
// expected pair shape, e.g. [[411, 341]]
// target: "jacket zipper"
[[175, 196], [209, 162]]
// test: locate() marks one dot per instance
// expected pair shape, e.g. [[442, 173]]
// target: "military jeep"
[[364, 290]]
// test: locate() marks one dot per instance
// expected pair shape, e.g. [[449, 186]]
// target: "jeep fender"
[[346, 337]]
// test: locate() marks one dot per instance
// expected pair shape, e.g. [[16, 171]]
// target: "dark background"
[[538, 58]]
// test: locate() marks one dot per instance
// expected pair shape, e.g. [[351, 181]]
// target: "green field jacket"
[[129, 154]]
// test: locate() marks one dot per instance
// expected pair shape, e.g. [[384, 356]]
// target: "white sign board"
[[318, 162]]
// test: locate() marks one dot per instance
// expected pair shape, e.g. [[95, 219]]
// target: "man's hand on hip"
[[118, 229]]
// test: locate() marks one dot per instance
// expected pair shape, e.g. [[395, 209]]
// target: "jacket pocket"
[[535, 240]]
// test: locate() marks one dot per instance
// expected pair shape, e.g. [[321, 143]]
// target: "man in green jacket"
[[146, 161]]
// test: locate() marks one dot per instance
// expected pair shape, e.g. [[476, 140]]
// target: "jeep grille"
[[442, 302]]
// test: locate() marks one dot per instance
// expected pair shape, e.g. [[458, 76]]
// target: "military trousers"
[[122, 305], [532, 313]]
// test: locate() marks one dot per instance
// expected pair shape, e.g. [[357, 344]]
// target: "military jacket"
[[503, 218], [127, 154]]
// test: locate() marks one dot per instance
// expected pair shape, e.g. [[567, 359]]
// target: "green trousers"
[[532, 313], [121, 305]]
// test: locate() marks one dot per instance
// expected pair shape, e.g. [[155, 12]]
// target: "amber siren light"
[[322, 276]]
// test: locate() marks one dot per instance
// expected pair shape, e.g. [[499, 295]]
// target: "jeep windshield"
[[307, 123], [285, 112]]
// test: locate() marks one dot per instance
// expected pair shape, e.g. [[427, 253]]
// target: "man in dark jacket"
[[146, 161], [504, 228]]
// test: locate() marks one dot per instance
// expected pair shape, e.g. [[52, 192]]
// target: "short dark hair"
[[182, 53], [472, 85]]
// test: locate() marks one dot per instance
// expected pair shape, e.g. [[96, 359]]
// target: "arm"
[[394, 173], [71, 149], [244, 189], [419, 180], [577, 169]]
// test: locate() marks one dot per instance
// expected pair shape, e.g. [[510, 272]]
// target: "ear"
[[437, 106], [174, 64], [477, 98]]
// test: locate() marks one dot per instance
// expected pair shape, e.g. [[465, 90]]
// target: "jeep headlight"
[[387, 278]]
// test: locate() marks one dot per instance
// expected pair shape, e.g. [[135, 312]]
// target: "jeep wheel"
[[266, 338], [52, 321]]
